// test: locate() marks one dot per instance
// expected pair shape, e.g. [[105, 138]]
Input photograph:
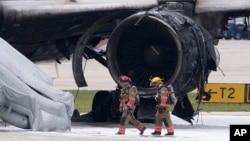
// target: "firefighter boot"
[[142, 130], [169, 134], [119, 133], [156, 133]]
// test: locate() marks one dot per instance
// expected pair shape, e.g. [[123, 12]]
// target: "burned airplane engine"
[[165, 44]]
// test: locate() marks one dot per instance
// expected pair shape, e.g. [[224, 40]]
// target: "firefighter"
[[128, 100], [163, 99]]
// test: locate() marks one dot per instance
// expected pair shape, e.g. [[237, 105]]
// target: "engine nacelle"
[[161, 43]]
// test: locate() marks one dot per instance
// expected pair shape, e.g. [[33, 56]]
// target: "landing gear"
[[105, 107], [237, 36], [101, 106]]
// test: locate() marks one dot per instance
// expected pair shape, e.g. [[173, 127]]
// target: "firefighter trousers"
[[163, 115], [126, 118]]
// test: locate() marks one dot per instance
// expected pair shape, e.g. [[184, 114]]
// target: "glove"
[[156, 97], [125, 108], [160, 109], [130, 112], [121, 109], [156, 107]]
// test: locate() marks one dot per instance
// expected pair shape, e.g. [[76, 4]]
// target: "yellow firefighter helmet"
[[155, 80]]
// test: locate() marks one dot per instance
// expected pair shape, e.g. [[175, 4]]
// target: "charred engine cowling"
[[160, 43]]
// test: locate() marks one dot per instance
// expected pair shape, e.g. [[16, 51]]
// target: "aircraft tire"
[[237, 36], [101, 106], [226, 36]]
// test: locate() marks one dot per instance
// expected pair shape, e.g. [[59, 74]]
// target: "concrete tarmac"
[[234, 56], [206, 127]]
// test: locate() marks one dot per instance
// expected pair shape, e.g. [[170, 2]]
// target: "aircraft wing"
[[43, 24]]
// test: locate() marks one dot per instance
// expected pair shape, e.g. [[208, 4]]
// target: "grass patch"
[[84, 98]]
